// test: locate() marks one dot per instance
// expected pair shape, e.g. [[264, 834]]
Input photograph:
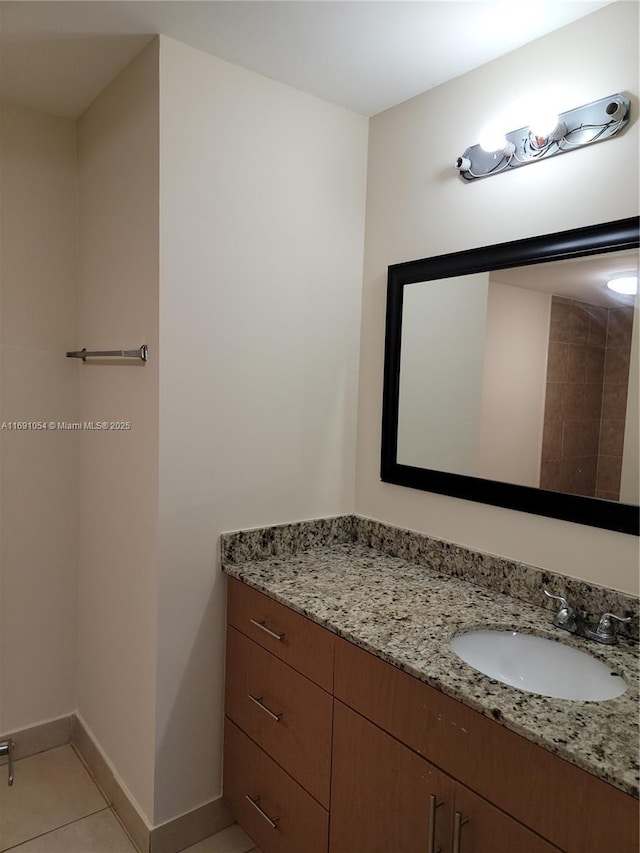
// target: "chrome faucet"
[[575, 622], [566, 617]]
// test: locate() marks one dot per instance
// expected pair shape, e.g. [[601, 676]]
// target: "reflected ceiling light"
[[626, 284], [546, 135]]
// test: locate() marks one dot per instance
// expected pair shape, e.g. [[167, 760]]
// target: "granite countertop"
[[406, 614]]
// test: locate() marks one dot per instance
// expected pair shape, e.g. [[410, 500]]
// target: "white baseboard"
[[190, 828], [169, 837], [129, 814], [39, 738]]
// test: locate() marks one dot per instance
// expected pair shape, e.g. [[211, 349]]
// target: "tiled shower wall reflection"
[[586, 398]]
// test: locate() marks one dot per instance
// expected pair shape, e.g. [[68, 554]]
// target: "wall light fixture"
[[545, 137]]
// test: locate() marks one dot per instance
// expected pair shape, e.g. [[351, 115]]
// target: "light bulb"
[[492, 138], [627, 284], [545, 129], [543, 124]]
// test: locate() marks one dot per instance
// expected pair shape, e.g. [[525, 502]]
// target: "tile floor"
[[55, 807]]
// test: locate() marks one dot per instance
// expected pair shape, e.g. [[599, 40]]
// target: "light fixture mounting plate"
[[584, 125]]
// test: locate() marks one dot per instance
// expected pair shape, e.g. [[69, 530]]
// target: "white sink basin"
[[538, 665]]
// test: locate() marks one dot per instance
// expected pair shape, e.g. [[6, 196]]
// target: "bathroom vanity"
[[352, 726]]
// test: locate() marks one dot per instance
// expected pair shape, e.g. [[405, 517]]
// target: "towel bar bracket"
[[142, 353], [6, 750]]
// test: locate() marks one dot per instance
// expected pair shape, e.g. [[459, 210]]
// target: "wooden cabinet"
[[270, 806], [282, 711], [478, 826], [384, 797], [387, 799], [297, 641], [278, 725], [569, 807], [329, 748]]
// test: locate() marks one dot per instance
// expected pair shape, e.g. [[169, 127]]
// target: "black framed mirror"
[[511, 376]]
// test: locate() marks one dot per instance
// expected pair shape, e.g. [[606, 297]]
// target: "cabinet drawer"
[[300, 823], [536, 787], [293, 721], [294, 639]]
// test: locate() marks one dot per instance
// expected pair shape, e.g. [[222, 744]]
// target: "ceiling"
[[362, 54], [583, 279]]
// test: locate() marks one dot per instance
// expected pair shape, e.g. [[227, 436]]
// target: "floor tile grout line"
[[124, 828], [89, 772], [55, 829], [104, 795]]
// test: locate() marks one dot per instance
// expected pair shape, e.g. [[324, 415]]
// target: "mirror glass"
[[535, 371], [511, 376]]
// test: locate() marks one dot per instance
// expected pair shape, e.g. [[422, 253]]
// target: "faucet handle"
[[564, 604], [606, 628], [566, 616], [609, 616], [605, 632]]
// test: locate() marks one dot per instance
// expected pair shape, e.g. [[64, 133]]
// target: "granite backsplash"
[[498, 574]]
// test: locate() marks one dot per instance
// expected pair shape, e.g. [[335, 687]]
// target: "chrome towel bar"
[[142, 353]]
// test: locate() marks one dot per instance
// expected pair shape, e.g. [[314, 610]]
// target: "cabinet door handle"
[[268, 631], [272, 821], [259, 703], [458, 823], [434, 804]]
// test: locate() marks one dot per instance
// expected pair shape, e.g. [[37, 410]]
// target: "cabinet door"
[[480, 827], [381, 793], [570, 807]]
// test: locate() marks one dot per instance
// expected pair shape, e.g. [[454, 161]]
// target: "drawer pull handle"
[[434, 804], [258, 702], [272, 821], [268, 631], [458, 823]]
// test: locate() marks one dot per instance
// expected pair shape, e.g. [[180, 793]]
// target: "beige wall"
[[248, 415], [514, 384], [262, 201], [417, 207], [37, 383], [118, 308], [443, 343]]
